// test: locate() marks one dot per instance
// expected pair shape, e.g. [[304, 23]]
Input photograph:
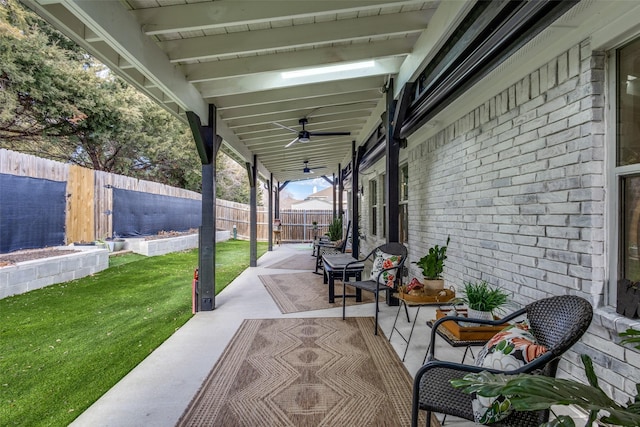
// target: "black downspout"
[[270, 212], [253, 213]]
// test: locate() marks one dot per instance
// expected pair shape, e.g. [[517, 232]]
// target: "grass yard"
[[64, 346]]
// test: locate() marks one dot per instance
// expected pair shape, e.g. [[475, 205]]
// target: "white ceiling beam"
[[291, 93], [203, 48], [307, 105], [224, 13], [266, 128], [363, 107], [212, 70], [274, 80]]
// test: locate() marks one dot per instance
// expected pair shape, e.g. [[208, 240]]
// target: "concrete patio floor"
[[159, 389]]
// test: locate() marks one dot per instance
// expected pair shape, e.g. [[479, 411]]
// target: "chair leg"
[[415, 414], [406, 310], [375, 331], [344, 298], [428, 418]]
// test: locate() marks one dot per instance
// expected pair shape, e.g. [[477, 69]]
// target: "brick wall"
[[518, 184]]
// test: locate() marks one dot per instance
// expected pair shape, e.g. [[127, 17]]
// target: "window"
[[627, 163], [404, 204], [373, 207]]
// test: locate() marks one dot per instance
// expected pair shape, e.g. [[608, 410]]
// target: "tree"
[[58, 102]]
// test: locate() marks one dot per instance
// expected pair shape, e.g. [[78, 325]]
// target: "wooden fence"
[[296, 225], [89, 204]]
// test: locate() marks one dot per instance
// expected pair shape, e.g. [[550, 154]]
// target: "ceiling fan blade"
[[291, 143], [329, 133], [285, 127]]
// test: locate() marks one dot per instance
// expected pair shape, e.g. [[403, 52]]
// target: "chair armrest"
[[498, 322]]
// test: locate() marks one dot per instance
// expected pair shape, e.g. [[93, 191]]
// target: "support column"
[[335, 202], [207, 146], [355, 202], [392, 173], [270, 212], [277, 207], [340, 192], [253, 212]]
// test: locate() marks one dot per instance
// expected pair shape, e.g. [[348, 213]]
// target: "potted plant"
[[432, 265], [335, 230], [529, 392], [482, 299]]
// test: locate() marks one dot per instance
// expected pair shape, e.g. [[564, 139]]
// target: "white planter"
[[475, 314]]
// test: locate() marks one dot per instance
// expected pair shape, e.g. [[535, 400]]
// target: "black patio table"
[[334, 269]]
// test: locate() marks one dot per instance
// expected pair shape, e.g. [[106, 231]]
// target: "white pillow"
[[381, 261], [509, 349]]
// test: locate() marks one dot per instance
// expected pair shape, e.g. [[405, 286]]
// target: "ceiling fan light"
[[304, 136]]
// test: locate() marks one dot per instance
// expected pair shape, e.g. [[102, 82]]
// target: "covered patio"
[[159, 390], [508, 126]]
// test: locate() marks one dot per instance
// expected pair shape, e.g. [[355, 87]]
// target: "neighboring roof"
[[326, 193]]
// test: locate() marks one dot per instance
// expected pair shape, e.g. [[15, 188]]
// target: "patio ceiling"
[[188, 54]]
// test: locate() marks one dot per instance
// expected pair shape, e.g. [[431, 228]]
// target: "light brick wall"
[[518, 184]]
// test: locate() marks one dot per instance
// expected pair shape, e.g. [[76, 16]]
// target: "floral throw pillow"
[[381, 261], [509, 349]]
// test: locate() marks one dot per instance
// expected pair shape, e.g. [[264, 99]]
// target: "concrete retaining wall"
[[168, 245], [29, 275]]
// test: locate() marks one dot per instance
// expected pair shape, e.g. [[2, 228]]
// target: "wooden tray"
[[442, 296], [479, 332]]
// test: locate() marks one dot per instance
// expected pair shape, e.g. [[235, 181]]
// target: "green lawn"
[[63, 346]]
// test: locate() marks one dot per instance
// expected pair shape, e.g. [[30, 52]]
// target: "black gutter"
[[489, 34]]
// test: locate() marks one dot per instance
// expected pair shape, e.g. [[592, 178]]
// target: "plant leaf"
[[589, 371], [561, 421]]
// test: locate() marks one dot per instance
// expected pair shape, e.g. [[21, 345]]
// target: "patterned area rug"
[[296, 262], [295, 292], [305, 372]]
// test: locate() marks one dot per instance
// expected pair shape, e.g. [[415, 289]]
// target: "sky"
[[301, 189]]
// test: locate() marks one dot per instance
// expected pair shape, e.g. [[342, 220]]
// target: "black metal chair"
[[556, 322], [377, 285], [329, 248]]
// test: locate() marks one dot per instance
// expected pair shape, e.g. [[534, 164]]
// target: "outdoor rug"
[[305, 372], [295, 292], [296, 262]]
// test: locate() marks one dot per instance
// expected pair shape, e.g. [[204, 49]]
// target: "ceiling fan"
[[306, 168], [305, 135]]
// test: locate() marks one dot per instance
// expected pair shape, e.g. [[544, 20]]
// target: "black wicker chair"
[[557, 323], [374, 285], [328, 248]]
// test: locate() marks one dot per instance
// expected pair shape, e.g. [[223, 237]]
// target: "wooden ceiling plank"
[[292, 37], [212, 70], [225, 13]]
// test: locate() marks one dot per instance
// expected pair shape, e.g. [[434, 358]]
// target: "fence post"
[[304, 224]]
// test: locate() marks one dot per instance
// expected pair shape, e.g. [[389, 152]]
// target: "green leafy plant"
[[529, 392], [432, 264], [482, 296], [335, 229]]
